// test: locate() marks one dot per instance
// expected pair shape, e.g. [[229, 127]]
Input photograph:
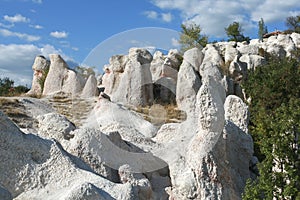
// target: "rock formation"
[[90, 89], [128, 78], [40, 69], [118, 152], [56, 75], [31, 167]]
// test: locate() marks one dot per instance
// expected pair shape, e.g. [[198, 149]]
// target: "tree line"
[[7, 88], [191, 35]]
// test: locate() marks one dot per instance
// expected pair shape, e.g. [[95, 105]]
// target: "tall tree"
[[234, 32], [191, 37], [262, 29], [293, 23], [275, 118]]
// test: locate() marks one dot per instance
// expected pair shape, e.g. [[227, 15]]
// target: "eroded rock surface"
[[118, 154]]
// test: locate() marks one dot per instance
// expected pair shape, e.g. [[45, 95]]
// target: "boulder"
[[230, 52], [55, 78], [89, 145], [287, 43], [110, 117], [194, 57], [110, 80], [140, 183], [37, 166], [188, 84], [117, 63], [55, 126], [238, 69], [135, 86], [90, 89], [212, 63], [252, 61], [156, 65], [173, 59], [40, 69], [246, 49], [72, 82], [237, 112], [171, 64], [296, 39]]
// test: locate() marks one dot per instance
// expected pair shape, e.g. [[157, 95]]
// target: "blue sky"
[[89, 32]]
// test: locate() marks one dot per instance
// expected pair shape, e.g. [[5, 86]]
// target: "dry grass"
[[15, 111], [161, 114], [75, 109]]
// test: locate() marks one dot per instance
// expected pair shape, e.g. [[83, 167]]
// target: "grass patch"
[[161, 114], [15, 111]]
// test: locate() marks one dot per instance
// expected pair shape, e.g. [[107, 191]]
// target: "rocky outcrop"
[[90, 89], [188, 77], [40, 69], [62, 79], [72, 83], [109, 117], [156, 65], [134, 85], [117, 154], [54, 81], [171, 64], [32, 166], [56, 126], [221, 140]]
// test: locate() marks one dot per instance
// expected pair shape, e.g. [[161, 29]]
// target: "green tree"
[[6, 86], [293, 23], [234, 32], [262, 29], [191, 37], [275, 118]]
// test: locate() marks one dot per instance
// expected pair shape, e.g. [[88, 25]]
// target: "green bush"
[[275, 127], [7, 88]]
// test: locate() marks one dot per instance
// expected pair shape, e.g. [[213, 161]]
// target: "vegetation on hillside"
[[275, 127], [7, 88]]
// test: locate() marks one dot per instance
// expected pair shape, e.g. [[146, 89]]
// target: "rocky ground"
[[166, 127]]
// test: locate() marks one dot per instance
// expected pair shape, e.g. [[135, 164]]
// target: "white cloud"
[[59, 34], [16, 19], [151, 14], [16, 60], [36, 26], [175, 42], [167, 17], [213, 16], [6, 25], [24, 36]]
